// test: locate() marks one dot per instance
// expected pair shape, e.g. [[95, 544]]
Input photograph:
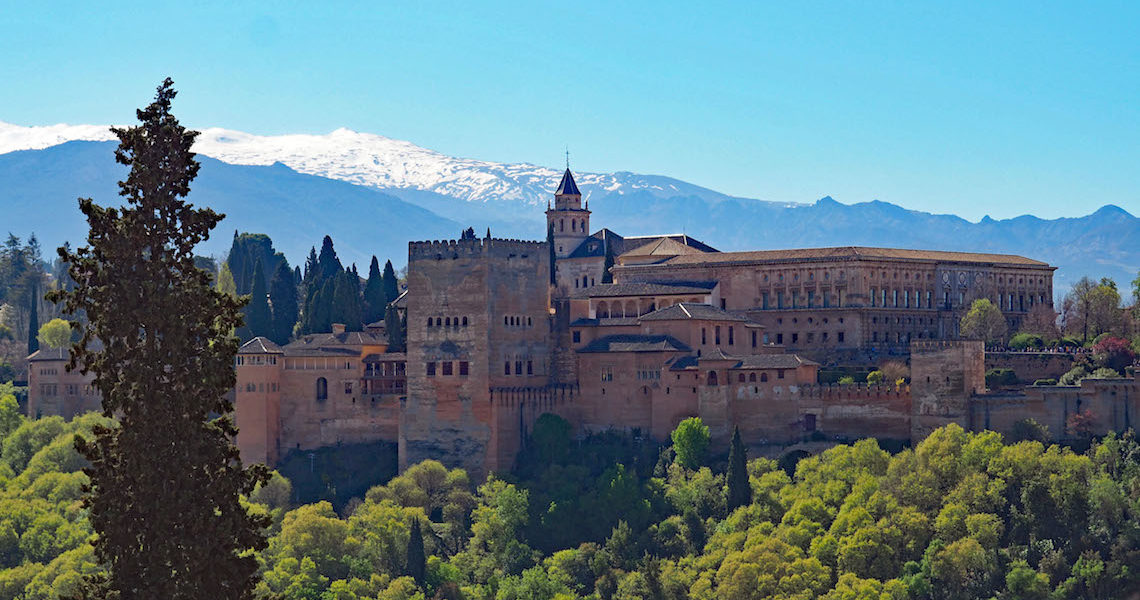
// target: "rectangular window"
[[431, 369], [530, 367], [779, 338], [347, 387], [731, 341], [764, 300], [447, 369], [463, 368], [840, 336], [779, 299], [704, 339], [895, 301], [753, 339], [823, 337], [765, 338], [577, 337], [507, 368], [827, 300], [811, 298], [723, 304], [810, 337], [780, 374], [518, 367], [874, 336], [872, 296], [795, 338], [607, 374], [716, 334]]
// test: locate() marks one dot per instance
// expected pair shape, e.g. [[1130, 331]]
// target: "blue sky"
[[996, 108]]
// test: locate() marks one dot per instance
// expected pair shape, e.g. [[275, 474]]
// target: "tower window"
[[322, 389]]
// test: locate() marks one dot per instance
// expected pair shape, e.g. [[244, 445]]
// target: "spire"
[[567, 186]]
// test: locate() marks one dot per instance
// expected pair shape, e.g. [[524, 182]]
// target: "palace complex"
[[638, 333]]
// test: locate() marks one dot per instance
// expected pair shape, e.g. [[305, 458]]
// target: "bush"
[[1045, 382], [1073, 376], [847, 380], [1028, 430], [875, 377], [1026, 341], [1104, 373], [1114, 353], [1000, 377]]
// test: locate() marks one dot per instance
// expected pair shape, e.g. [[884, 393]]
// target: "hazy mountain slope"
[[38, 191], [511, 198]]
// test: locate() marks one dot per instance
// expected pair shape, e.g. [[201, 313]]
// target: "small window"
[[780, 374], [751, 378], [447, 369], [348, 387], [530, 367], [577, 337], [763, 377], [740, 377], [507, 368], [465, 321], [712, 379], [431, 369], [322, 389], [518, 367], [463, 368]]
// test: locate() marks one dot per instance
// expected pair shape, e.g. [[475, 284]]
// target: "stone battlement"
[[917, 346], [471, 248], [853, 392], [549, 395]]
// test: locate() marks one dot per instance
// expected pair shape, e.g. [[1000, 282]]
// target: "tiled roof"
[[567, 185], [334, 344], [640, 241], [852, 253], [607, 290], [664, 245], [689, 310], [50, 354], [773, 361], [635, 343], [259, 345]]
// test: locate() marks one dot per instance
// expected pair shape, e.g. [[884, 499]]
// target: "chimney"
[[338, 327]]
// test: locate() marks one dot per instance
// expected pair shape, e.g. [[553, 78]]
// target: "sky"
[[998, 108]]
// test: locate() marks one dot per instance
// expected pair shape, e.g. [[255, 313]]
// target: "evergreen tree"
[[739, 489], [258, 320], [297, 275], [283, 298], [417, 562], [345, 301], [391, 284], [374, 301], [310, 266], [328, 265], [166, 482], [322, 307], [226, 283], [33, 321], [394, 325]]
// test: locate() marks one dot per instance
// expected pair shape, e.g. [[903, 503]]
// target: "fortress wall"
[[1031, 366]]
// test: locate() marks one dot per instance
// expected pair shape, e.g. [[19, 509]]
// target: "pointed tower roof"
[[567, 186]]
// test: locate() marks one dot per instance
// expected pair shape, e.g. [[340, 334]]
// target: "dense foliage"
[[960, 516]]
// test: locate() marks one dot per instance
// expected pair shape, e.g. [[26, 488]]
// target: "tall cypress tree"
[[328, 265], [391, 284], [258, 320], [394, 325], [345, 301], [739, 489], [417, 562], [283, 298], [374, 301], [310, 266], [165, 483], [33, 321]]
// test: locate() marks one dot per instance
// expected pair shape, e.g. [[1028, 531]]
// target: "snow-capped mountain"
[[377, 161]]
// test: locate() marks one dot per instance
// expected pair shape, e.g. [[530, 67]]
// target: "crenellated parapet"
[[474, 248], [854, 392]]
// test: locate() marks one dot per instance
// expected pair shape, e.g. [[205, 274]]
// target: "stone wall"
[[944, 375], [1031, 366]]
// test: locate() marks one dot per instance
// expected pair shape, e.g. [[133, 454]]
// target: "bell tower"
[[568, 221]]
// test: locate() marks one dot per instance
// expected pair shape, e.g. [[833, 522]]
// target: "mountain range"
[[373, 194]]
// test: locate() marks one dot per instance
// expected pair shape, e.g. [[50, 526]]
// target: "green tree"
[[226, 283], [56, 333], [739, 488], [416, 561], [394, 325], [258, 320], [374, 300], [985, 322], [283, 301], [166, 481], [690, 442], [390, 283], [1091, 308]]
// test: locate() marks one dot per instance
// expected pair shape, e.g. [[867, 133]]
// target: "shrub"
[[1026, 341], [1045, 382], [1028, 430], [1000, 377], [875, 377], [1104, 373], [846, 380], [1114, 353], [1073, 376]]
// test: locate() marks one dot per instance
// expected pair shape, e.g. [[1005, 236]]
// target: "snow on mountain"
[[376, 161]]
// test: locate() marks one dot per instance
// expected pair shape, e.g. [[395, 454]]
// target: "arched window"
[[584, 281], [712, 378], [763, 377], [751, 378], [447, 322], [465, 321], [603, 310], [322, 389], [573, 225], [740, 378], [438, 321], [429, 321], [561, 224]]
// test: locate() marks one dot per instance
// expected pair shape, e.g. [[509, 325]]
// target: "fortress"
[[638, 333]]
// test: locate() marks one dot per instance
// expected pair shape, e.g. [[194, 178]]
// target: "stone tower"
[[257, 401], [944, 376], [478, 323], [568, 220]]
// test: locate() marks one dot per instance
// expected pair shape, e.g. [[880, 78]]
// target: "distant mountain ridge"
[[294, 189]]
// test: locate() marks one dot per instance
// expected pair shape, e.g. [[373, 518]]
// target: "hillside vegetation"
[[962, 515]]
